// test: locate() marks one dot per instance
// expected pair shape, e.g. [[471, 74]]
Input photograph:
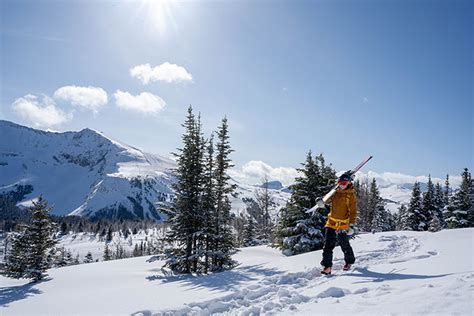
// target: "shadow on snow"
[[229, 279], [10, 294], [392, 275]]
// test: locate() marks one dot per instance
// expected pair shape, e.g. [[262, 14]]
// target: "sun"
[[158, 14]]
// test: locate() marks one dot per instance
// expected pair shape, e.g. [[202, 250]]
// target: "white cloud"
[[145, 102], [91, 98], [167, 72], [254, 171], [390, 178], [41, 113]]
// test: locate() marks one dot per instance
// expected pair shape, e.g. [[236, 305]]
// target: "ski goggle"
[[343, 182]]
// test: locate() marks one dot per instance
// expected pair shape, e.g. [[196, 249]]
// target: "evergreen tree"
[[264, 201], [107, 253], [376, 214], [119, 252], [16, 265], [459, 211], [61, 260], [429, 204], [31, 248], [136, 251], [69, 258], [402, 218], [63, 228], [109, 236], [224, 243], [364, 214], [439, 205], [414, 219], [382, 220], [447, 191], [209, 203], [249, 233], [299, 231], [435, 224], [88, 258], [470, 194], [185, 219]]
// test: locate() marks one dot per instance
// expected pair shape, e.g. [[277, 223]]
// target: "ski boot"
[[326, 271], [346, 267]]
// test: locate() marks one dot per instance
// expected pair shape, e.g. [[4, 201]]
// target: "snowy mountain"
[[86, 173], [83, 173], [396, 273]]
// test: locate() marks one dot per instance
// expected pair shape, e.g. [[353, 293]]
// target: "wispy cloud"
[[91, 98], [145, 102], [41, 113], [166, 72]]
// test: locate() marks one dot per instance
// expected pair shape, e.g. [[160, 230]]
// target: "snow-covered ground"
[[396, 273]]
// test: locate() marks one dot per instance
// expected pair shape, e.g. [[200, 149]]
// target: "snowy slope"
[[88, 174], [396, 273]]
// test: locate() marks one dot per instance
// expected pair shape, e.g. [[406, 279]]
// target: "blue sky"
[[347, 78]]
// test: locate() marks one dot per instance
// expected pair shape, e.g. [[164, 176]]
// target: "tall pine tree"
[[224, 240], [414, 219], [185, 213], [447, 190], [264, 202], [31, 247], [439, 206], [459, 210], [402, 218], [249, 233], [429, 204], [364, 214], [208, 203], [381, 219]]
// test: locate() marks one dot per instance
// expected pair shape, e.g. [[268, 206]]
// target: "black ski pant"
[[330, 243]]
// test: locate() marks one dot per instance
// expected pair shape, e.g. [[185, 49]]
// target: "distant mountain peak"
[[274, 185]]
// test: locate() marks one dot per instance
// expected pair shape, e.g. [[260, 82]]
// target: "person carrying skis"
[[340, 222]]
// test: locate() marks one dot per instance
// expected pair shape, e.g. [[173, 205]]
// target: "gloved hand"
[[351, 230], [320, 202]]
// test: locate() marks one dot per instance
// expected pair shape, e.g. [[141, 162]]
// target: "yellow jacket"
[[343, 209]]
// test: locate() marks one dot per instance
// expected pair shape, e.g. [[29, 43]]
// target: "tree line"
[[439, 208]]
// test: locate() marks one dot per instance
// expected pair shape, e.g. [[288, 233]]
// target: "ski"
[[328, 195]]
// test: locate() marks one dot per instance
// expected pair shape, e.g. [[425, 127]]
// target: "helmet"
[[344, 179]]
